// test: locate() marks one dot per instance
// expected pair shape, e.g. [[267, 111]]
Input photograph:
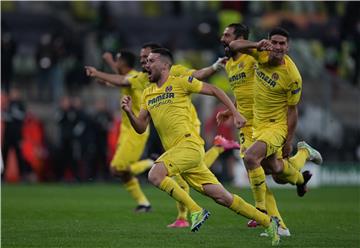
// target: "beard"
[[228, 52]]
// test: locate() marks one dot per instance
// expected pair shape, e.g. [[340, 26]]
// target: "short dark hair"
[[151, 45], [240, 30], [164, 52], [128, 57], [280, 31]]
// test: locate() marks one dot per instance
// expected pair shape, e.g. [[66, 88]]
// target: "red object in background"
[[33, 144], [12, 169], [113, 136]]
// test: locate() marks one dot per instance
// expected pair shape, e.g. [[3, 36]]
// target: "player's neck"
[[236, 56], [163, 78], [276, 61]]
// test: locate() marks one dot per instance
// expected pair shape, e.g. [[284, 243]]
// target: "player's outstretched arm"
[[114, 79], [139, 123], [206, 72], [208, 89], [246, 46]]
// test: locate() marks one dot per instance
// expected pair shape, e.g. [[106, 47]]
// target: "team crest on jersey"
[[275, 76], [190, 79], [168, 88], [241, 65]]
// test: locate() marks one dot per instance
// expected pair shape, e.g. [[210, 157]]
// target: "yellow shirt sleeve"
[[191, 84], [261, 57], [180, 70], [138, 81], [295, 83], [294, 92]]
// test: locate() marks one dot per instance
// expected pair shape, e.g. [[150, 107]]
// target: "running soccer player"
[[240, 70], [220, 143], [125, 163], [167, 102], [277, 91]]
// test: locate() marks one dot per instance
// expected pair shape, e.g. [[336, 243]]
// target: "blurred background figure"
[[65, 155], [102, 118], [13, 116], [8, 50]]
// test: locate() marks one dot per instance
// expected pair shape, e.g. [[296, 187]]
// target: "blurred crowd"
[[44, 46]]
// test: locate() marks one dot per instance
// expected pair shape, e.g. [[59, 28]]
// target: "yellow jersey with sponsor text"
[[276, 88], [241, 78], [182, 71], [169, 107]]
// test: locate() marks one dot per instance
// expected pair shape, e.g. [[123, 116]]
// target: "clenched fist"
[[126, 104]]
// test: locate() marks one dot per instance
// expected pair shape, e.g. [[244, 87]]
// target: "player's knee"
[[276, 169], [250, 160], [154, 178], [124, 176]]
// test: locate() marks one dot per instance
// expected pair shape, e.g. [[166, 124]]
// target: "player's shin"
[[175, 191]]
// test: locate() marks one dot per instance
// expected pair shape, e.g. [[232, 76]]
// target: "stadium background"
[[44, 47]]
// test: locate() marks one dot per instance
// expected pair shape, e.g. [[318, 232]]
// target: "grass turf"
[[100, 215]]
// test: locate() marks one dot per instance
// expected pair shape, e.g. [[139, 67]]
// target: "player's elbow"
[[140, 130]]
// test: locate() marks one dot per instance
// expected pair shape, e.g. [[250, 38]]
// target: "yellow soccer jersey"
[[137, 85], [169, 107], [182, 71], [276, 87], [241, 78]]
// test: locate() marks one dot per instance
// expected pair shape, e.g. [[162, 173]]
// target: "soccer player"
[[277, 91], [240, 70], [220, 143], [167, 102], [125, 163]]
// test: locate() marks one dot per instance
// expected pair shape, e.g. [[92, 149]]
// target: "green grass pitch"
[[101, 215]]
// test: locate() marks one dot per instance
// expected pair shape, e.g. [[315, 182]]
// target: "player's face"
[[227, 37], [154, 67], [144, 53], [280, 46]]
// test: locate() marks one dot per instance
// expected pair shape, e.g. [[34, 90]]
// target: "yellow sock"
[[182, 210], [258, 186], [141, 166], [298, 161], [212, 154], [173, 189], [133, 187], [271, 207], [290, 174], [243, 208]]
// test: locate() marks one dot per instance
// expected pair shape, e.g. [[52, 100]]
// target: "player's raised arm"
[[206, 72], [246, 46], [139, 123], [114, 79], [208, 89]]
